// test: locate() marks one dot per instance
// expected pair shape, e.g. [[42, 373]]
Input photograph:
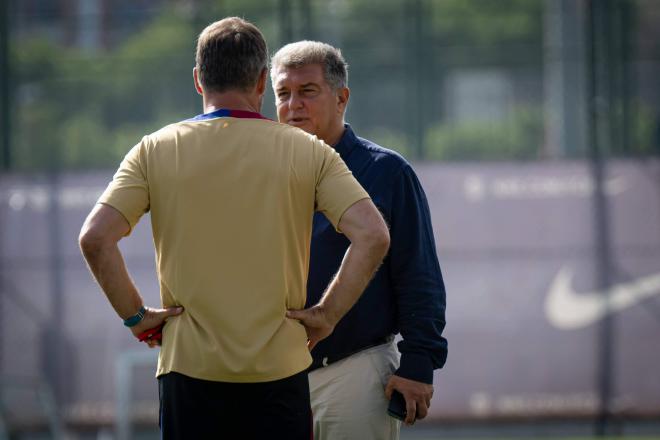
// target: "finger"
[[389, 388], [295, 314], [422, 410], [411, 411], [170, 311]]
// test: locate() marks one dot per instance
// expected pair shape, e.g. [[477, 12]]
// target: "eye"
[[282, 95]]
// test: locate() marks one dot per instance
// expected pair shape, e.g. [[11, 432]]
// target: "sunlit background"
[[534, 126]]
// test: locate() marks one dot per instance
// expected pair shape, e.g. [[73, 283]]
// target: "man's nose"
[[295, 101]]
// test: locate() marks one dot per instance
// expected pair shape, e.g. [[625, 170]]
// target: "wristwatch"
[[135, 319]]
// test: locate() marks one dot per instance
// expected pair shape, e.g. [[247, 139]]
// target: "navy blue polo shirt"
[[407, 294]]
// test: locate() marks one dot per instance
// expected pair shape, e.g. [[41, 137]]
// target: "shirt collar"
[[228, 113], [346, 143]]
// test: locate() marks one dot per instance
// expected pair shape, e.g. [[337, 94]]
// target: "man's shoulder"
[[383, 157]]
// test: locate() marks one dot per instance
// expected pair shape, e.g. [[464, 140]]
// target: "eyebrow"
[[302, 86]]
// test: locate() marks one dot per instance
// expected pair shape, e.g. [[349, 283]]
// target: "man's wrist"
[[331, 315], [417, 367], [134, 320]]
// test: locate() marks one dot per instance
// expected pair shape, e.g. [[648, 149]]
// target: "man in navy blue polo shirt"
[[357, 368]]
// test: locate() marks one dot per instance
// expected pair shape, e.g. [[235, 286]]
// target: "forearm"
[[107, 265], [365, 228], [358, 267], [421, 321], [420, 297]]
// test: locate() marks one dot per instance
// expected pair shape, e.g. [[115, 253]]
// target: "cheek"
[[330, 114], [315, 114], [281, 111]]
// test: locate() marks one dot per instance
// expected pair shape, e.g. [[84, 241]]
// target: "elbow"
[[385, 241], [380, 241], [90, 241]]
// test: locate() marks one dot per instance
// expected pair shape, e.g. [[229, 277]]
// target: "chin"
[[304, 126]]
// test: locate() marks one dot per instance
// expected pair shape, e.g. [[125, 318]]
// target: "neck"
[[232, 99], [335, 134]]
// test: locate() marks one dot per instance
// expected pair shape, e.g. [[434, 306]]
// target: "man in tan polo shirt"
[[231, 197]]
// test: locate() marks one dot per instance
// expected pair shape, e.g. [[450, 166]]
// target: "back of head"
[[231, 54], [303, 53]]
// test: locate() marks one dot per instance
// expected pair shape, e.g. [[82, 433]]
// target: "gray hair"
[[303, 53]]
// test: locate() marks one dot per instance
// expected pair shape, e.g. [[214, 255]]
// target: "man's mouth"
[[297, 121]]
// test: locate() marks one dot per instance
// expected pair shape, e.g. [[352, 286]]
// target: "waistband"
[[331, 359]]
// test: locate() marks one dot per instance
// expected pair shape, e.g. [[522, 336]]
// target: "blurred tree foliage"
[[516, 137], [401, 52], [76, 108], [86, 109]]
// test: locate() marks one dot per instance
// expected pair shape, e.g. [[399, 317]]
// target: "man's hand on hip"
[[417, 394], [153, 318], [318, 324]]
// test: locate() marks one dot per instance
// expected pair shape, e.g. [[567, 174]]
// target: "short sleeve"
[[336, 188], [129, 190]]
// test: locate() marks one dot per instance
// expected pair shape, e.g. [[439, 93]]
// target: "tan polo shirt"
[[231, 202]]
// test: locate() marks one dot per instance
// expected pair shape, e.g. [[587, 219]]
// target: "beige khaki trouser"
[[348, 396]]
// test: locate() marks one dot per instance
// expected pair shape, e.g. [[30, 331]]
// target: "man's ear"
[[198, 86], [343, 95], [261, 83]]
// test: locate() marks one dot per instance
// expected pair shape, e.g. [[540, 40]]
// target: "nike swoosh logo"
[[569, 310]]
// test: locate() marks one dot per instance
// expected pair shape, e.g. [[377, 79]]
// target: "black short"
[[201, 409]]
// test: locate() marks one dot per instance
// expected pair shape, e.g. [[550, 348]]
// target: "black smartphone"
[[397, 406]]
